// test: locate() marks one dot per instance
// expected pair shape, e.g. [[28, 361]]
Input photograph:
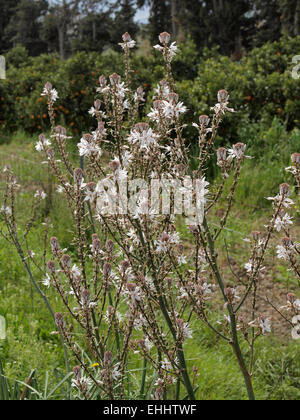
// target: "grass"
[[30, 344]]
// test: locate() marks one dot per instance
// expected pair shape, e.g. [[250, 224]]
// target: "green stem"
[[235, 341]]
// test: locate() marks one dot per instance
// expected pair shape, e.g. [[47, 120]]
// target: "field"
[[98, 303], [29, 344]]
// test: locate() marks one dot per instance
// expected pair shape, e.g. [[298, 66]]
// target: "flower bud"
[[102, 81], [229, 292], [173, 98], [164, 38], [286, 242], [77, 373], [204, 120], [284, 190], [55, 247], [66, 261], [107, 359], [85, 296], [48, 86], [256, 235], [50, 153], [223, 96], [51, 267], [221, 154], [291, 298], [109, 246], [59, 320], [114, 165], [126, 37], [141, 127], [106, 270], [60, 130], [78, 176], [125, 265], [97, 104], [296, 158], [114, 79], [165, 237], [158, 104]]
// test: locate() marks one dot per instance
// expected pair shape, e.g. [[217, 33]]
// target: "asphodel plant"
[[133, 281]]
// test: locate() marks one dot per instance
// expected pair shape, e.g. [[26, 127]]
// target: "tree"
[[217, 22], [25, 25], [124, 21], [267, 22], [93, 33], [7, 8], [290, 16]]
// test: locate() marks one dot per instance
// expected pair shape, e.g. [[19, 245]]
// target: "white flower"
[[75, 272], [40, 194], [283, 222], [144, 138], [53, 94], [129, 44], [42, 144], [166, 365], [181, 260], [46, 281], [60, 189], [283, 253], [171, 110], [6, 210], [88, 146], [92, 111], [297, 304], [115, 373], [286, 202], [265, 325], [187, 332]]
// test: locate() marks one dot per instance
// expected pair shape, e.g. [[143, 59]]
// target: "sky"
[[142, 15]]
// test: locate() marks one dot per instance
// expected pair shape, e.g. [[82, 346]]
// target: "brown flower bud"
[[59, 320], [114, 165], [77, 373], [164, 38], [291, 298], [158, 104], [286, 242], [223, 96], [221, 154], [107, 359], [51, 267], [97, 104], [55, 247], [256, 235], [165, 237], [78, 176], [60, 130], [106, 270], [126, 37], [141, 127], [102, 81], [204, 120], [114, 79], [109, 246], [85, 296], [50, 153], [48, 86], [173, 98], [66, 261], [296, 158], [284, 190]]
